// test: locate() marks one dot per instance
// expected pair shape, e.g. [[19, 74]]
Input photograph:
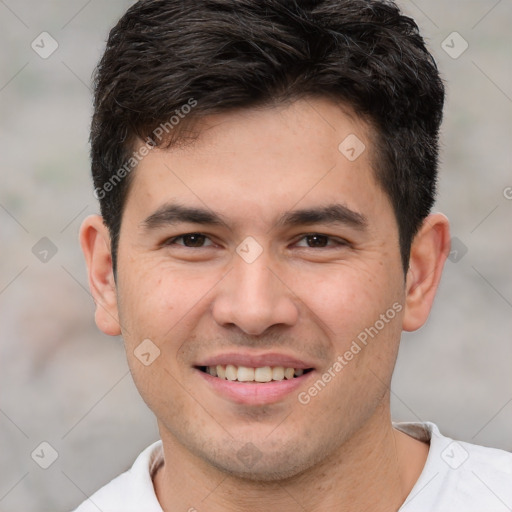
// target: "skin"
[[338, 452]]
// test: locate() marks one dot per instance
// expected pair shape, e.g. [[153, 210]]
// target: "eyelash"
[[338, 241]]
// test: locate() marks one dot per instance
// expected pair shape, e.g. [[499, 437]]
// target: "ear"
[[429, 251], [95, 242]]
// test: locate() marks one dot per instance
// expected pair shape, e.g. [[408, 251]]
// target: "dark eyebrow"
[[330, 214], [171, 213]]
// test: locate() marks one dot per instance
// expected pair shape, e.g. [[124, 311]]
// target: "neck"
[[374, 470]]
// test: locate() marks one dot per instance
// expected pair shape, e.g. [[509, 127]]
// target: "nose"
[[254, 297]]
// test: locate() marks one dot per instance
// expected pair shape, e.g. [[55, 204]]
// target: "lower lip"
[[255, 393]]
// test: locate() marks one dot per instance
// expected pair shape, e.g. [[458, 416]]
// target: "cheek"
[[153, 300], [146, 300], [154, 307], [345, 299], [360, 311], [165, 305]]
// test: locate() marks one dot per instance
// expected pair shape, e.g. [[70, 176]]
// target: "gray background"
[[64, 382]]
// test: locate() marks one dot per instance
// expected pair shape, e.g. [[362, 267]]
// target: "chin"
[[247, 462], [262, 471]]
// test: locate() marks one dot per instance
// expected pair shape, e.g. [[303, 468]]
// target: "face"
[[292, 262]]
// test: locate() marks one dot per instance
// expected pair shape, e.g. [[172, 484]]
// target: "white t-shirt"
[[457, 477]]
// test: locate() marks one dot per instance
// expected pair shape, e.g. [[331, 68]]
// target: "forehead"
[[308, 151], [306, 128]]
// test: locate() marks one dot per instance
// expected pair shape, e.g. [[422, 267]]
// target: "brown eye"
[[317, 240], [190, 240]]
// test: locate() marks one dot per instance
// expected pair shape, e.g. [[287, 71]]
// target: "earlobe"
[[95, 243], [429, 251]]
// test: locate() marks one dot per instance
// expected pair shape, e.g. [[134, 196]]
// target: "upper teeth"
[[245, 374]]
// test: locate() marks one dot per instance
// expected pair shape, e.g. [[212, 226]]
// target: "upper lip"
[[256, 360]]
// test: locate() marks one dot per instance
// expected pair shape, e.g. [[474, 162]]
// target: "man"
[[266, 172]]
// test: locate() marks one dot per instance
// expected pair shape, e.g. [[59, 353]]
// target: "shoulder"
[[481, 473], [459, 476], [131, 491]]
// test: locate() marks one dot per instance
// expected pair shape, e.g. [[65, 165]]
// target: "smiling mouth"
[[256, 375]]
